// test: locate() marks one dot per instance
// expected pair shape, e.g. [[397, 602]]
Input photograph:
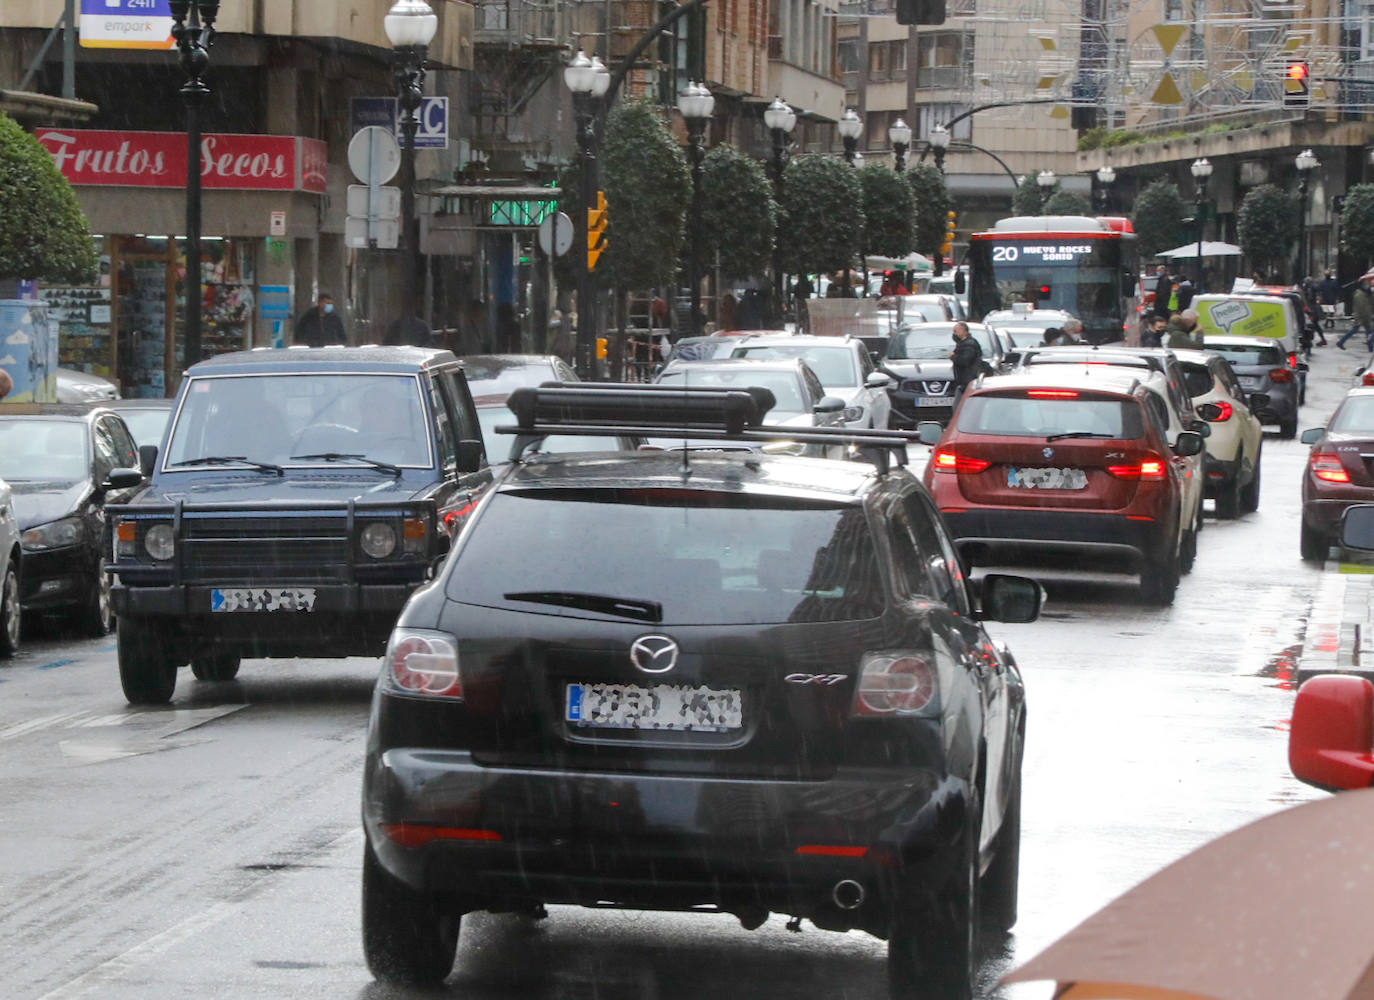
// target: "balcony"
[[517, 23]]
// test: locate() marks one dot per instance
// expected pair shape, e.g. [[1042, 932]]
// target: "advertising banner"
[[126, 24], [28, 351], [1243, 317]]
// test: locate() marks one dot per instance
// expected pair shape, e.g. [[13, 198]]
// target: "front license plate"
[[665, 707], [1047, 479], [935, 401], [293, 599]]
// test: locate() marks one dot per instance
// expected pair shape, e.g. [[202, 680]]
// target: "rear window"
[[1197, 379], [1026, 416], [677, 556], [1355, 416], [1239, 354], [834, 366]]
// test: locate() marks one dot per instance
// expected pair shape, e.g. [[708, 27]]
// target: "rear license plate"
[[665, 707], [934, 400], [1047, 479], [293, 599], [1249, 381]]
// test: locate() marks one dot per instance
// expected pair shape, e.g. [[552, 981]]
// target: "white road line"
[[33, 725]]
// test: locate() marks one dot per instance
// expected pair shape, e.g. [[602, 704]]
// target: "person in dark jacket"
[[967, 356], [1164, 289], [1185, 294], [1329, 289], [321, 324]]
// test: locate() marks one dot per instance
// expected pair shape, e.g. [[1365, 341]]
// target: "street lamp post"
[[1201, 171], [410, 26], [193, 27], [899, 134], [850, 127], [780, 120], [1306, 162], [588, 80], [1106, 177], [939, 142], [696, 104]]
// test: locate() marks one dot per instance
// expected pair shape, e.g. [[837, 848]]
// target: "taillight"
[[1052, 393], [1293, 361], [1146, 470], [897, 684], [1226, 410], [1327, 467], [949, 460], [1367, 378], [421, 661], [1280, 375]]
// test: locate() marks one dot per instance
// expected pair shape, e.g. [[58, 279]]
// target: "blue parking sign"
[[385, 111]]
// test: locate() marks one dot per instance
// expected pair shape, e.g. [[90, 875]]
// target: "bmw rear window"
[[1024, 415], [670, 555]]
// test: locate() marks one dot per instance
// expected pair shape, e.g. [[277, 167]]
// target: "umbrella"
[[1276, 910], [1210, 248]]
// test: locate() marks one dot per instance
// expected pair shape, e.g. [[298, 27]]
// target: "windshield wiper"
[[339, 456], [1079, 434], [623, 607], [229, 460]]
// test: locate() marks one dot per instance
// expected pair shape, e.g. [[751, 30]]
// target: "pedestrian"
[[1329, 289], [892, 285], [408, 331], [1361, 316], [1164, 288], [1053, 337], [1072, 331], [320, 325], [1185, 294], [1183, 332], [967, 356], [1153, 336]]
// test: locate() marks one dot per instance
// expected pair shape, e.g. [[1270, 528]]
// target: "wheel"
[[932, 946], [216, 666], [1228, 500], [11, 618], [1288, 429], [1314, 544], [1250, 492], [96, 614], [1159, 580], [997, 907], [1187, 550], [147, 666], [407, 938]]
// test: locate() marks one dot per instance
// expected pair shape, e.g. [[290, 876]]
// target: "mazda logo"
[[654, 654]]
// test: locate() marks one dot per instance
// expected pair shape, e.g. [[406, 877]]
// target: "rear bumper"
[[1324, 515], [664, 842], [1024, 533]]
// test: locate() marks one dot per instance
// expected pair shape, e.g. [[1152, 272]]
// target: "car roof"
[[510, 360], [136, 403], [1196, 357], [942, 324], [1231, 339], [334, 358], [1032, 314], [1104, 379], [799, 339], [745, 364], [69, 411]]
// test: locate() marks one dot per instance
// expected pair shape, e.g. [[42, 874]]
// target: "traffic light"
[[1297, 92], [596, 230], [920, 11], [951, 224]]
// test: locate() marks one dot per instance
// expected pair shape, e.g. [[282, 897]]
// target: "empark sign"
[[126, 24]]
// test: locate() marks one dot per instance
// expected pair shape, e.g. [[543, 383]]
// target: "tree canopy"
[[822, 215], [1357, 223], [648, 187], [1030, 197], [738, 212], [889, 212], [1158, 218], [1267, 225], [43, 233], [1067, 203], [931, 204]]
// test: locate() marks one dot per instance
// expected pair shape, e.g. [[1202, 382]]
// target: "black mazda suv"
[[754, 683]]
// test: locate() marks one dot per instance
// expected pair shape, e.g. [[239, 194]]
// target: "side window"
[[126, 452], [444, 440], [912, 578], [106, 453], [1228, 379], [460, 400], [866, 367], [1158, 413], [940, 561], [813, 386]]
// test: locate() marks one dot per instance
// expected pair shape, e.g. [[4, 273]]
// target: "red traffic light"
[[1297, 71]]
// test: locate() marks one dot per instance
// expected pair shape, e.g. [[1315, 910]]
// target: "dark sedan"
[[1339, 473], [923, 383], [56, 457]]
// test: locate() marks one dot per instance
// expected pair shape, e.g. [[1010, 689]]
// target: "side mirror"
[[147, 458], [1128, 288], [877, 380], [960, 283], [1332, 732], [1209, 411], [1200, 427], [1012, 599], [929, 431], [1259, 400], [829, 404], [1312, 435], [1188, 443], [123, 479], [470, 455], [1303, 366], [1357, 528]]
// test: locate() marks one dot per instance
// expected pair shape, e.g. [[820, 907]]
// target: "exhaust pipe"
[[848, 894]]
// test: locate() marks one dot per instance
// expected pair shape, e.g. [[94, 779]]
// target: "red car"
[[1338, 471], [1065, 459]]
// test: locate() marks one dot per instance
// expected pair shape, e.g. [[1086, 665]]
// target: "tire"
[[1250, 492], [997, 907], [932, 946], [1228, 500], [407, 939], [11, 616], [1314, 544], [1187, 550], [1159, 581], [147, 665], [96, 616], [1288, 429], [215, 666]]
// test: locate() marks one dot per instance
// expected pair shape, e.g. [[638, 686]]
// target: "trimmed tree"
[[822, 215], [1030, 197], [1067, 203], [1357, 223], [1267, 226], [1158, 218], [889, 212], [43, 233], [931, 206], [738, 213]]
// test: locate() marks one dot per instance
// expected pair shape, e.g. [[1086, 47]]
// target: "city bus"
[[1087, 267]]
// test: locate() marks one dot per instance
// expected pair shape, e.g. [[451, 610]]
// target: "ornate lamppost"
[[1106, 177], [696, 104], [899, 134], [780, 120], [939, 142], [193, 27], [410, 26], [850, 127], [1306, 162], [588, 79], [1201, 170]]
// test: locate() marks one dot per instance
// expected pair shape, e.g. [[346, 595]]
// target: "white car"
[[82, 387], [1231, 464], [9, 588], [844, 366]]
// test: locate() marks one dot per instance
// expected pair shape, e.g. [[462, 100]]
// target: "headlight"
[[159, 542], [378, 540], [54, 534], [852, 413]]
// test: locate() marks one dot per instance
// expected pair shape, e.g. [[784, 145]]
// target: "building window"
[[848, 53], [928, 115], [943, 58]]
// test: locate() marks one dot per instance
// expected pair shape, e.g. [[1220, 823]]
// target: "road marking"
[[53, 665], [33, 725]]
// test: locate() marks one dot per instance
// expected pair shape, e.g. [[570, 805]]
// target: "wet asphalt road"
[[213, 849]]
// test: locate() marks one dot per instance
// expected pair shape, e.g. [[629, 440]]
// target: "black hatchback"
[[759, 684]]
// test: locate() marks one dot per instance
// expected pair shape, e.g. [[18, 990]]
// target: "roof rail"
[[699, 413]]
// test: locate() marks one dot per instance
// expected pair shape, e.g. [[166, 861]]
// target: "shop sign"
[[126, 24], [432, 118], [158, 159]]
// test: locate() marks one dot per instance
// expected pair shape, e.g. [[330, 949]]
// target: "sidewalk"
[[1340, 628]]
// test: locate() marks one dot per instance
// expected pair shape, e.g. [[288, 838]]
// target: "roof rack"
[[696, 413]]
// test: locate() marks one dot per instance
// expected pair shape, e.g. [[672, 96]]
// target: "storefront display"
[[142, 323], [84, 317]]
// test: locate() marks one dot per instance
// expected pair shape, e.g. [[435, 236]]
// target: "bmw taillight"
[[1328, 468], [1367, 378], [949, 460], [904, 683], [1146, 470], [422, 661], [1226, 410], [1280, 375]]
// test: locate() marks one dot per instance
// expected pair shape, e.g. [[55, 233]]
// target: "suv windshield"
[[920, 343], [1022, 416], [51, 450], [271, 418], [782, 384], [834, 366], [696, 557]]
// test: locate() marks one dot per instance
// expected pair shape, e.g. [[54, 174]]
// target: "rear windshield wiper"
[[229, 460], [623, 607], [1079, 434], [339, 456]]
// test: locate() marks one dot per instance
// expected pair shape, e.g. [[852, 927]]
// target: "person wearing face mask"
[[967, 356], [321, 325]]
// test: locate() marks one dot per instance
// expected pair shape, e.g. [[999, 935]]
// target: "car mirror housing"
[[1312, 435], [960, 283], [1188, 443], [929, 431], [1357, 528], [147, 458], [1011, 599], [123, 479], [1332, 732], [877, 380], [470, 455], [830, 404]]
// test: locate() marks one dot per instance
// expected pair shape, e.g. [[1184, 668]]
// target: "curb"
[[1340, 627]]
